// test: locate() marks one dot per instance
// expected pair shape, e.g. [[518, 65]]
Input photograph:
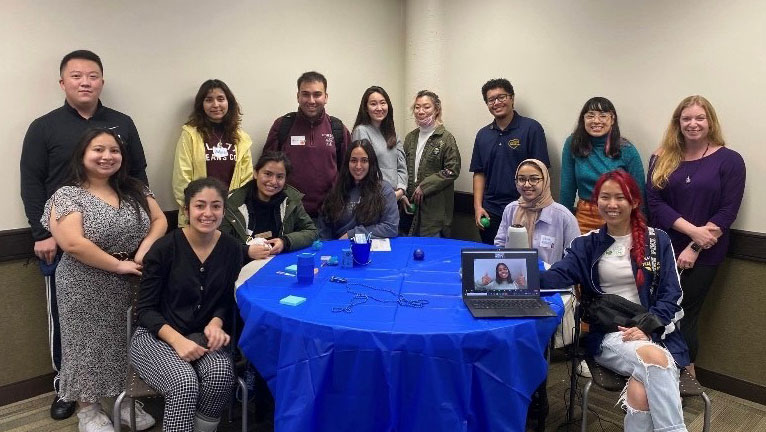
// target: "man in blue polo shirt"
[[497, 151]]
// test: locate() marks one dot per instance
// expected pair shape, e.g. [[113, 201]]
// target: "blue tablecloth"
[[385, 367]]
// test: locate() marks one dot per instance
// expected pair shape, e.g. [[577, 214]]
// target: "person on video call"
[[503, 280]]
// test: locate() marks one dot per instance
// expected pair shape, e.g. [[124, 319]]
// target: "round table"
[[385, 366]]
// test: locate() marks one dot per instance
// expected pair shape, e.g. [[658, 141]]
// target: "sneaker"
[[92, 419], [144, 420], [583, 370]]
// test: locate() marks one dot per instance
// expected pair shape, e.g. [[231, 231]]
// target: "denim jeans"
[[661, 384]]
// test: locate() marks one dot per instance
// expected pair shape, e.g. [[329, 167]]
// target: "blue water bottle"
[[306, 268]]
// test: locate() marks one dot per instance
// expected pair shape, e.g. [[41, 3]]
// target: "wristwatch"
[[695, 247]]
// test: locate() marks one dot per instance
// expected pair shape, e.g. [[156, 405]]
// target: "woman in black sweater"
[[184, 309]]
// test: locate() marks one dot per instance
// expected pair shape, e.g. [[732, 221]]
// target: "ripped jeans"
[[661, 385]]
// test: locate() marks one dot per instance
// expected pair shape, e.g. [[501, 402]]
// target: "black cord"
[[361, 298]]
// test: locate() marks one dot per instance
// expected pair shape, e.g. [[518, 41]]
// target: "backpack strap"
[[337, 133], [654, 263], [336, 125], [284, 129]]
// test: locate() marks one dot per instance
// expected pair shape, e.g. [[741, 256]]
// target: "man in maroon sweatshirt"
[[314, 141]]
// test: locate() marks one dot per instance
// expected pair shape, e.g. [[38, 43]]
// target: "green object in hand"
[[413, 208], [484, 221]]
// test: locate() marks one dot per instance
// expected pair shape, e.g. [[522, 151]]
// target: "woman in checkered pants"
[[184, 309]]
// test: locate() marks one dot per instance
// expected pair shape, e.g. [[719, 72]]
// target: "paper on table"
[[381, 245]]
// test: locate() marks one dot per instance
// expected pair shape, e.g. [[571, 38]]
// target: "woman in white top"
[[375, 123], [626, 262]]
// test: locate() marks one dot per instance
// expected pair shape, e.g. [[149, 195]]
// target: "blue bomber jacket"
[[579, 266]]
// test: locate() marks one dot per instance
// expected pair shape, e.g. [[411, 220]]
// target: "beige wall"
[[156, 54], [645, 56]]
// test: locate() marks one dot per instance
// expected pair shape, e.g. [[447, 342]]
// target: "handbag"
[[607, 311]]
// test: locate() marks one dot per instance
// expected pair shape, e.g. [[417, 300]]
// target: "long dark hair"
[[387, 127], [128, 189], [581, 140], [371, 202], [498, 279], [637, 220], [230, 121]]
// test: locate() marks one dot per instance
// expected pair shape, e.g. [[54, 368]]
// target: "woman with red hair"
[[625, 262]]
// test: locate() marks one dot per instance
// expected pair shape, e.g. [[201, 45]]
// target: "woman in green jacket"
[[433, 164], [268, 209]]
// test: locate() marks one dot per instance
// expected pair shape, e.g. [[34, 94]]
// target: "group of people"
[[94, 218]]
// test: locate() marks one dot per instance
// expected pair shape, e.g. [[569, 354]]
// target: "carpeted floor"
[[729, 413]]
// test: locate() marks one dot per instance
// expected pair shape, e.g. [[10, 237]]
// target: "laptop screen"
[[492, 273]]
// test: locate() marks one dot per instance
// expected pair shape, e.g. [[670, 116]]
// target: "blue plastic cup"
[[361, 253], [306, 268]]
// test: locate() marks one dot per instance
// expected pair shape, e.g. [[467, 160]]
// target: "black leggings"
[[695, 284]]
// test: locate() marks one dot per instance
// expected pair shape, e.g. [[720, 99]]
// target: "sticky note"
[[292, 300]]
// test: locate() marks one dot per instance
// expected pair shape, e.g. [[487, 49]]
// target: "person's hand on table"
[[343, 237], [277, 245], [259, 251]]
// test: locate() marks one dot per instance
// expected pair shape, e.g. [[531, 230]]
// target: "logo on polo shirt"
[[514, 143]]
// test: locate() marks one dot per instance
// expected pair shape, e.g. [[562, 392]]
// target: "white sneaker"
[[144, 421], [92, 419], [583, 370]]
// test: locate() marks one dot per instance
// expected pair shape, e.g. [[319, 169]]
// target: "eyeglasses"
[[499, 98], [533, 181], [604, 116]]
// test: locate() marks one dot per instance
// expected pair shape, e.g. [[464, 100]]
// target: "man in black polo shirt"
[[497, 152], [45, 158]]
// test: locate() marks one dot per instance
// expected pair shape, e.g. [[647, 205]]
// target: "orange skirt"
[[587, 216]]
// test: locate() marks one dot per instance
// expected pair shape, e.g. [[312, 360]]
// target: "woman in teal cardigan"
[[594, 148]]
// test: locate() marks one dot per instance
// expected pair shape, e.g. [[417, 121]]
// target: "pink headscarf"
[[529, 210]]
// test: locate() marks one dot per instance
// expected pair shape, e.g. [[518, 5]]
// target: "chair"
[[135, 387], [612, 381]]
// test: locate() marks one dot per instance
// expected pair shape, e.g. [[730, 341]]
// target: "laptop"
[[502, 283]]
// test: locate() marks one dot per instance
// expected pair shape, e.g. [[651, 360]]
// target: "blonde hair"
[[434, 100], [672, 147]]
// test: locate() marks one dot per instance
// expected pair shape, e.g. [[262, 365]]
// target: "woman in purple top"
[[694, 188]]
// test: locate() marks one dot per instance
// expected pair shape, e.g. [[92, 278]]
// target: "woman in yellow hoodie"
[[212, 144]]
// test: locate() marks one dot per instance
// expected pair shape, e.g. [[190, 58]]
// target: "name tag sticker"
[[547, 241], [298, 140], [220, 152]]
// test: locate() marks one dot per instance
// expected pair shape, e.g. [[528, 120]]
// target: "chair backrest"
[[131, 315]]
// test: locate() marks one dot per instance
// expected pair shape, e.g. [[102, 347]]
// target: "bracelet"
[[695, 247]]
